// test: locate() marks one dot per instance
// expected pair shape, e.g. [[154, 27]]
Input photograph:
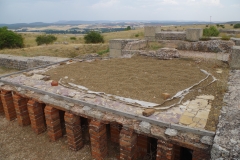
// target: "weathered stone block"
[[170, 36], [236, 40], [150, 32], [234, 60], [114, 53], [194, 34]]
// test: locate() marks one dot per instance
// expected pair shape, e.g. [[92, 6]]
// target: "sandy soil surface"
[[145, 78]]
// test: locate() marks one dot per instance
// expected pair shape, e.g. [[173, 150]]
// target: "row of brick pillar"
[[42, 118]]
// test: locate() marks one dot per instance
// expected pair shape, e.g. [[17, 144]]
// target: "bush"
[[10, 39], [93, 37], [211, 31], [45, 39], [206, 25], [137, 35], [231, 24], [73, 38], [237, 25]]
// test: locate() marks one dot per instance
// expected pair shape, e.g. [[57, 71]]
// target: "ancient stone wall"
[[227, 140], [170, 36], [207, 46], [21, 63]]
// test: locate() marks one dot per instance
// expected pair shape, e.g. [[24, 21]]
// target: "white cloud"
[[170, 2], [104, 4], [212, 2]]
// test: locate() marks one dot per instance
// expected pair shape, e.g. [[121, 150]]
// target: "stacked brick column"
[[53, 123], [20, 105], [115, 129], [98, 137], [36, 115], [128, 144], [200, 155], [74, 132], [164, 150], [1, 107], [8, 105], [177, 152], [142, 145]]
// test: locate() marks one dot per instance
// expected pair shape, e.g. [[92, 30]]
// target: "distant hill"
[[120, 22]]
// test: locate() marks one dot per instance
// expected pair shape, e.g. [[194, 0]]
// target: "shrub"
[[93, 37], [211, 31], [73, 38], [217, 25], [231, 24], [137, 35], [237, 25], [10, 39], [206, 25], [45, 39]]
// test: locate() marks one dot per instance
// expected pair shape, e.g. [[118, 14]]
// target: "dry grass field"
[[65, 47]]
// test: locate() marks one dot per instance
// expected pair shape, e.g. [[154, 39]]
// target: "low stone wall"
[[227, 140], [136, 45], [236, 41], [230, 31], [170, 36], [207, 46], [21, 63]]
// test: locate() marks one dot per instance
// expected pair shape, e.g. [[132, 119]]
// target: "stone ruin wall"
[[22, 63]]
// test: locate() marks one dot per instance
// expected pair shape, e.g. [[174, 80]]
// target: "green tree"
[[237, 25], [128, 28], [211, 31], [45, 39], [93, 37], [10, 39]]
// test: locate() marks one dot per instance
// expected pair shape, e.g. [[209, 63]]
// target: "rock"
[[148, 112], [207, 140], [171, 132], [62, 63], [46, 78], [165, 96], [28, 74], [54, 83], [86, 108], [145, 127]]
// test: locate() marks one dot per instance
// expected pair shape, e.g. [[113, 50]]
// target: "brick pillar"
[[20, 105], [115, 129], [128, 144], [8, 105], [142, 145], [74, 132], [164, 150], [53, 123], [98, 137], [201, 155], [177, 152], [1, 106], [36, 115]]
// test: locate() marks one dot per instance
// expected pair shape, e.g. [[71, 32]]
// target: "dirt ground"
[[22, 143], [145, 78]]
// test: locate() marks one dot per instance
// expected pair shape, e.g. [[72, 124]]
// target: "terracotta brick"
[[128, 144], [164, 150], [20, 105], [98, 137], [201, 155], [8, 106], [73, 130], [36, 116], [53, 123]]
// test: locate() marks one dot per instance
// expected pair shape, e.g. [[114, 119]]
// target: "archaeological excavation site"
[[179, 102]]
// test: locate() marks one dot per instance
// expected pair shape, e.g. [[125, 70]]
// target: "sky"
[[27, 11]]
